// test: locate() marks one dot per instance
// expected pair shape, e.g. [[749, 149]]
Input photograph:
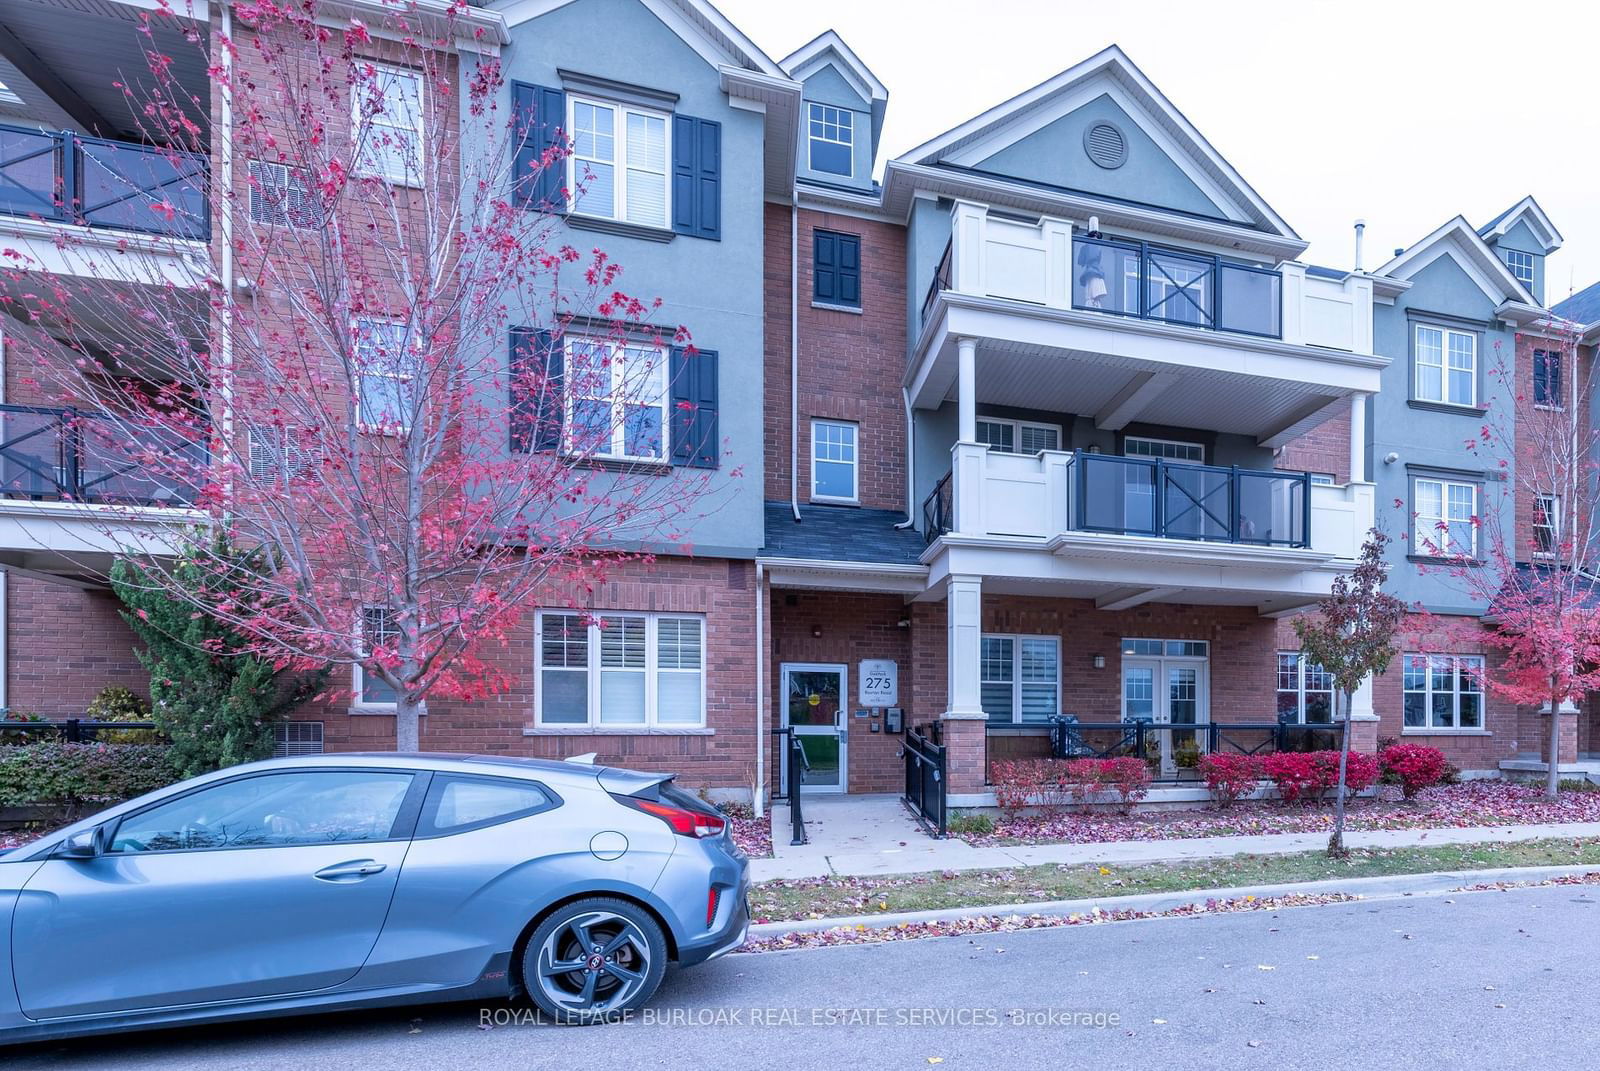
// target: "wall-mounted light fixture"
[[816, 630]]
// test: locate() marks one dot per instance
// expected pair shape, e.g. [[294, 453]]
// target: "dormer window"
[[1521, 265], [831, 139]]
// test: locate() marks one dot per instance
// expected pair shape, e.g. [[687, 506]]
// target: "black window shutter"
[[697, 177], [1541, 379], [695, 439], [536, 373], [540, 112], [849, 269], [824, 267]]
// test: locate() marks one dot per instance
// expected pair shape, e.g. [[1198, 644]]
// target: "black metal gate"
[[786, 749], [925, 779]]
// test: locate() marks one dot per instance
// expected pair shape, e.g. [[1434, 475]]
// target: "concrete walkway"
[[874, 835]]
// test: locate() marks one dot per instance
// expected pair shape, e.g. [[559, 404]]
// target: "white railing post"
[[1294, 301], [1058, 491], [967, 222], [1057, 237], [969, 464]]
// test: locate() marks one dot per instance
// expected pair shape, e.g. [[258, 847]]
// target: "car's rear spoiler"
[[621, 782]]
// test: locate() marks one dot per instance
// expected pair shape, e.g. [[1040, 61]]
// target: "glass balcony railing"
[[1135, 496], [1175, 286], [60, 455], [68, 178]]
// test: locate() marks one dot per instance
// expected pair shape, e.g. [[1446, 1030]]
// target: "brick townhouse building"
[[1045, 415]]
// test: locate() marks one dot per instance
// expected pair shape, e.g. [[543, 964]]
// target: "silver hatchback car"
[[347, 881]]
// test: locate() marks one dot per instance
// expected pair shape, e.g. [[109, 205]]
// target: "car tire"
[[594, 961]]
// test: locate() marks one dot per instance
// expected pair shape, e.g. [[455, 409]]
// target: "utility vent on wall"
[[278, 196], [296, 738], [1105, 145]]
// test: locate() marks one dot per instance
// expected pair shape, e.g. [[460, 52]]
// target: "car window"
[[458, 803], [278, 809]]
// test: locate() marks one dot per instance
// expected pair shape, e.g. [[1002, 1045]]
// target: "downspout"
[[794, 356], [226, 226], [911, 467], [758, 796]]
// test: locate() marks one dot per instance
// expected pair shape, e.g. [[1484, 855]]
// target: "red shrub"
[[1023, 783], [1413, 766], [1360, 771], [1300, 775], [1228, 777], [1127, 778]]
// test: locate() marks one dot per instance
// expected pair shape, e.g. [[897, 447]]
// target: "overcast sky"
[[1404, 113]]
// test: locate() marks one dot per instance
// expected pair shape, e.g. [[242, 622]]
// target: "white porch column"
[[967, 388], [964, 617], [1361, 701], [1358, 437]]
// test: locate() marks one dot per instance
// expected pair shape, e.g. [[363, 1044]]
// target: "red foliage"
[[1229, 777], [1308, 776], [1051, 784], [1414, 767]]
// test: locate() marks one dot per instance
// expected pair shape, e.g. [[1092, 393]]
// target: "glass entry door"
[[1168, 692], [814, 707]]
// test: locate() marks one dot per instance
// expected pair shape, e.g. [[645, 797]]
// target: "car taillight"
[[684, 822]]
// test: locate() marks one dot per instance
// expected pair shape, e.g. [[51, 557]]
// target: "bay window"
[[620, 670]]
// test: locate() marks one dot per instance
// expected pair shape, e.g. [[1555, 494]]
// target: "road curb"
[[1385, 887]]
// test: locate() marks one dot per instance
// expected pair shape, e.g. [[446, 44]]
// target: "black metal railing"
[[925, 760], [1178, 286], [1175, 749], [71, 178], [70, 730], [1139, 496], [49, 454], [937, 509], [941, 281], [786, 748]]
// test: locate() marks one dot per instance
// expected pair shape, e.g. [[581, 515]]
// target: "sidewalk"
[[872, 835]]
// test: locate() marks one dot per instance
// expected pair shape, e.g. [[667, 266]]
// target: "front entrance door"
[[1168, 692], [814, 699]]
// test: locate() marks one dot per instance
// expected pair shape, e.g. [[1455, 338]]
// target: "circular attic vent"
[[1105, 145]]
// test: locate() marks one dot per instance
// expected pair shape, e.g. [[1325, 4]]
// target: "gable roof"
[[828, 47], [702, 27], [1527, 210], [1107, 71], [1458, 240]]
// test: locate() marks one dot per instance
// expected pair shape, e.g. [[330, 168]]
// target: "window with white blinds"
[[1020, 678], [621, 670], [618, 166], [1018, 436]]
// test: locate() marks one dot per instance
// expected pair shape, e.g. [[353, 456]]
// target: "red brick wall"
[[63, 645], [1325, 448], [1542, 434], [850, 363], [852, 627]]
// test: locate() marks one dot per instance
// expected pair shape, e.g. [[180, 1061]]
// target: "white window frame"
[[1173, 456], [1444, 365], [1515, 266], [652, 671], [623, 394], [1017, 427], [1016, 640], [1302, 669], [1427, 692], [408, 175], [1548, 507], [854, 462], [358, 675], [365, 327], [1426, 530], [619, 163], [818, 117]]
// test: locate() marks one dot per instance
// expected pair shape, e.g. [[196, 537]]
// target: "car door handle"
[[351, 871]]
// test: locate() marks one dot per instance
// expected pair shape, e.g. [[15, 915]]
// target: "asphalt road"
[[1474, 980]]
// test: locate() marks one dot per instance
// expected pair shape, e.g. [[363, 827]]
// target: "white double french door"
[[1171, 692]]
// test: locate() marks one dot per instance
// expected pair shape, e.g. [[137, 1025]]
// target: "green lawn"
[[830, 897]]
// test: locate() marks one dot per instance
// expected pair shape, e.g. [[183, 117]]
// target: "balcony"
[[62, 177], [1127, 530], [59, 455], [1124, 330]]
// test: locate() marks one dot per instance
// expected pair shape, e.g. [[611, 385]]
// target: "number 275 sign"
[[880, 682]]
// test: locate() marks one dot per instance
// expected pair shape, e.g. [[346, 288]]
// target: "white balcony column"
[[1361, 702], [1358, 437], [964, 617], [967, 388]]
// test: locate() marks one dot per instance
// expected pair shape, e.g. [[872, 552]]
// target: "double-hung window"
[[618, 166], [384, 373], [1546, 523], [1446, 518], [1521, 265], [1020, 678], [616, 399], [379, 630], [1547, 378], [1443, 691], [831, 139], [1018, 436], [624, 670], [1446, 365], [388, 120], [1305, 690], [835, 467]]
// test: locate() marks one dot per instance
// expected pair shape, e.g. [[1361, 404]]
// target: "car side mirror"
[[84, 845]]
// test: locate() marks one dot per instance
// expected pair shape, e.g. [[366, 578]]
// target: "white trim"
[[813, 55], [619, 163], [1469, 250], [847, 127], [593, 671], [1527, 209], [1016, 681], [358, 677], [414, 172], [622, 394], [1017, 427], [843, 728], [1446, 333], [1301, 667], [701, 26], [855, 461], [1180, 139], [1424, 528], [1552, 522], [1427, 692]]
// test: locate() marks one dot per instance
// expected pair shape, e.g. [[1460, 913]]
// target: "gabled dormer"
[[841, 114], [1522, 236]]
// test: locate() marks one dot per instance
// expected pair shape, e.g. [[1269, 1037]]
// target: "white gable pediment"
[[1458, 241], [701, 26]]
